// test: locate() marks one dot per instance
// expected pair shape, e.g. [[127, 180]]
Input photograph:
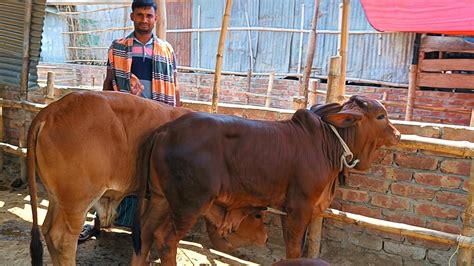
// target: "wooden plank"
[[446, 44], [442, 80], [438, 65], [12, 149]]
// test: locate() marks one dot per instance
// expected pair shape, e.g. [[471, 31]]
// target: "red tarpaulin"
[[422, 16]]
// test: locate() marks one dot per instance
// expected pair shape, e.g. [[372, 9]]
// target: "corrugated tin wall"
[[12, 16], [371, 56]]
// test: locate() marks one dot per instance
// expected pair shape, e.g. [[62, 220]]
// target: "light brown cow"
[[84, 147]]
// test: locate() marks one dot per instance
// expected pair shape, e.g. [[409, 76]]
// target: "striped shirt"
[[152, 64]]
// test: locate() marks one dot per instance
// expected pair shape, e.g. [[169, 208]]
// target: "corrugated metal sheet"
[[179, 16], [12, 15], [371, 56]]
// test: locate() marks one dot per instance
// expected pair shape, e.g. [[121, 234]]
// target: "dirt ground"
[[113, 247]]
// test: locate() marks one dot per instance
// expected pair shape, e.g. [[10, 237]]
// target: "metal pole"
[[300, 50]]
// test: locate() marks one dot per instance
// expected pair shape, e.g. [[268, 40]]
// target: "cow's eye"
[[258, 216], [380, 117]]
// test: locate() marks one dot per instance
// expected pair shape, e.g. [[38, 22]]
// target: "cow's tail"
[[36, 247], [143, 173]]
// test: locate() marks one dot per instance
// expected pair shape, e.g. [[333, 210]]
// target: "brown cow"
[[202, 159], [84, 147]]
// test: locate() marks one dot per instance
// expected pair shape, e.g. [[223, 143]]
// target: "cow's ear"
[[343, 119]]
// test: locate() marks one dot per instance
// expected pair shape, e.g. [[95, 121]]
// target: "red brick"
[[405, 219], [465, 185], [412, 191], [435, 210], [438, 180], [364, 182], [401, 174], [352, 195], [416, 161], [384, 157], [390, 202], [458, 167], [362, 210], [451, 198], [444, 227]]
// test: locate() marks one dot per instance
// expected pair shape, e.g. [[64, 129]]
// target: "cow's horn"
[[272, 210]]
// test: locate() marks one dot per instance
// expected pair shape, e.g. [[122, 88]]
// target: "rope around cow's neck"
[[347, 152]]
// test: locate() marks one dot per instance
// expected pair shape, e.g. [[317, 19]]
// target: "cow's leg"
[[61, 230], [297, 221], [176, 226], [155, 214]]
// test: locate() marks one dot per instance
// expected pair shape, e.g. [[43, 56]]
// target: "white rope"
[[459, 239], [347, 152]]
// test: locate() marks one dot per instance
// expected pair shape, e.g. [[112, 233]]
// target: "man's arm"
[[108, 80]]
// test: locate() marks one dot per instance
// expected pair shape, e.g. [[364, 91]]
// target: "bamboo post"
[[269, 89], [465, 254], [314, 236], [22, 144], [334, 93], [161, 23], [219, 56], [412, 78], [93, 80], [310, 54], [250, 70], [343, 44], [49, 97], [313, 90]]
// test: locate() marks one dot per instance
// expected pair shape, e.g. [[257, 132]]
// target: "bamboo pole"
[[411, 92], [12, 149], [219, 56], [343, 43], [412, 78], [268, 99], [310, 54], [161, 22], [268, 29], [453, 147], [49, 97], [27, 106], [400, 229], [465, 255], [313, 92], [314, 236], [334, 92]]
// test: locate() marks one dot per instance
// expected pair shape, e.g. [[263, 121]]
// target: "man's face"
[[144, 19]]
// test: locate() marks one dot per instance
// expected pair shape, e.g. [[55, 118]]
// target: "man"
[[143, 65]]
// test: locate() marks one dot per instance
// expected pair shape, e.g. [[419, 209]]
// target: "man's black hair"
[[143, 3]]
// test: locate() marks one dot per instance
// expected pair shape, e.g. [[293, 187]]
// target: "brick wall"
[[448, 107]]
